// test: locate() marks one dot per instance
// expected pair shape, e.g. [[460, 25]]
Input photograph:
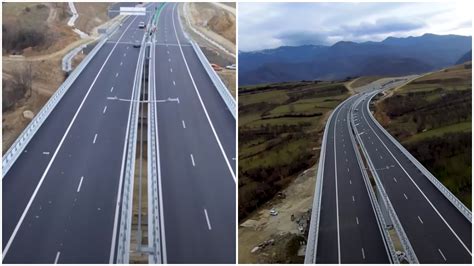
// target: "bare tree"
[[22, 81]]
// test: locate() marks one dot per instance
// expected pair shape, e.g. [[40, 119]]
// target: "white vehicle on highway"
[[137, 44], [141, 25]]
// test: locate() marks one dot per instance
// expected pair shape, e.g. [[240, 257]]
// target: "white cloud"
[[269, 25]]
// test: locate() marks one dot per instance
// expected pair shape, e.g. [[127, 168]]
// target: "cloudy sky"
[[270, 25]]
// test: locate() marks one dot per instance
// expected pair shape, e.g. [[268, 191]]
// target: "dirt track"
[[46, 68]]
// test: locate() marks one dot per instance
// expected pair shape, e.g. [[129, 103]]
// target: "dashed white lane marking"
[[184, 125], [169, 59], [357, 220], [381, 157], [171, 70], [57, 257], [376, 149], [105, 109], [174, 83], [350, 181], [363, 254], [121, 63], [116, 74], [127, 47], [419, 218], [405, 195], [353, 199], [46, 152], [168, 52], [80, 184], [346, 160], [207, 219], [95, 138], [124, 54], [112, 89], [394, 179], [192, 160], [348, 170], [442, 255]]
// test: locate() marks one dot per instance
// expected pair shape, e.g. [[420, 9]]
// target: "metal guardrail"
[[20, 143], [123, 249], [67, 59], [373, 199], [312, 242], [197, 32], [445, 191], [27, 134], [216, 80], [405, 242], [154, 218]]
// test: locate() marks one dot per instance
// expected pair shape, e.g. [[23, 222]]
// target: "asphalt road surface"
[[60, 197], [348, 230], [438, 232], [197, 152]]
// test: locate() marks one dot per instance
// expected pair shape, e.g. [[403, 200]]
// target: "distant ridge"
[[392, 56]]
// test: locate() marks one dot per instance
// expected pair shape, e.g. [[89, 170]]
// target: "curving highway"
[[433, 227]]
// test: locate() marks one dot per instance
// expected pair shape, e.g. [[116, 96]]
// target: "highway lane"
[[438, 232], [348, 230], [218, 113], [197, 174], [70, 217]]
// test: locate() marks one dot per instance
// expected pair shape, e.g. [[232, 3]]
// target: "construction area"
[[212, 26]]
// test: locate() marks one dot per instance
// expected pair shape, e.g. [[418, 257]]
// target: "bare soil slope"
[[40, 60]]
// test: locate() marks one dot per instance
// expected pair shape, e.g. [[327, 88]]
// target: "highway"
[[348, 230], [196, 136], [437, 231], [60, 196]]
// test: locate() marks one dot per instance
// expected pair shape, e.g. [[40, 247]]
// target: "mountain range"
[[392, 56]]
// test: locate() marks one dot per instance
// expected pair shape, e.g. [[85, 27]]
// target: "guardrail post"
[[27, 134]]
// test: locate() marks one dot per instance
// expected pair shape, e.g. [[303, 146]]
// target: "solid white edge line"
[[80, 184], [160, 186], [207, 219], [337, 192], [119, 194], [419, 189], [33, 196], [201, 101]]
